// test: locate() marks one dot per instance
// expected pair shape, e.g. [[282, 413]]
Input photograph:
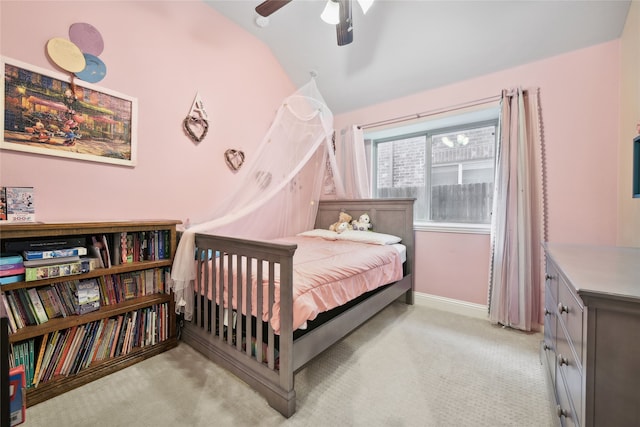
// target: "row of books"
[[22, 354], [66, 352], [116, 288], [34, 306], [64, 256], [128, 247], [141, 246]]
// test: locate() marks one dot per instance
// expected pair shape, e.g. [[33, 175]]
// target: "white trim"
[[449, 227], [465, 308]]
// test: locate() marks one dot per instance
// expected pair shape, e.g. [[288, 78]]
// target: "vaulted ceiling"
[[405, 46]]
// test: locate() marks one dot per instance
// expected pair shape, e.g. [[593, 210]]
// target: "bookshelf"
[[150, 311]]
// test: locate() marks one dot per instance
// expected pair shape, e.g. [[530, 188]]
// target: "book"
[[36, 373], [17, 395], [55, 355], [49, 271], [101, 245], [76, 366], [128, 285], [26, 309], [105, 242], [51, 261], [95, 254], [67, 293], [55, 253], [14, 310], [9, 259], [116, 336], [73, 350], [49, 302], [18, 204], [38, 308], [88, 296], [44, 244], [65, 351], [105, 346], [8, 313], [5, 280], [57, 301], [3, 204], [29, 368], [17, 270], [92, 344], [48, 353]]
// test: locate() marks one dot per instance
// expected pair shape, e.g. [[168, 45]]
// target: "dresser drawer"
[[551, 280], [569, 371], [549, 344], [564, 410], [570, 312]]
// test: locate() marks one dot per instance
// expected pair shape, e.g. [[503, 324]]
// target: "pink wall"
[[580, 99], [162, 53]]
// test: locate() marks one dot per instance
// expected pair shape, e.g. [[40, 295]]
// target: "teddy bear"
[[344, 223], [363, 223]]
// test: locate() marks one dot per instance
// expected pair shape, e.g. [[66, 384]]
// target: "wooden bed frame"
[[270, 368]]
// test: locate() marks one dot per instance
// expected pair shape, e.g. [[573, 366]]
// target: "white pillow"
[[372, 237], [320, 232]]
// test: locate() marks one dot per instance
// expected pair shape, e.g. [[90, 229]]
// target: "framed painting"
[[51, 113]]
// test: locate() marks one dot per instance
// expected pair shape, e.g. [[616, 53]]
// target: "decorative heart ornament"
[[196, 124], [234, 159], [195, 127]]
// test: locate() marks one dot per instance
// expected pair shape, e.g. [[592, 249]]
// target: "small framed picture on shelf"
[[46, 112]]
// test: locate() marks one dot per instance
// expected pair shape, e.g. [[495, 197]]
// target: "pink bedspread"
[[327, 274]]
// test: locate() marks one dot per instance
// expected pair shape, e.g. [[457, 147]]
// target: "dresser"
[[591, 347]]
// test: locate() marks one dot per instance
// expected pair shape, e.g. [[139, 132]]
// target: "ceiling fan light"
[[331, 13], [365, 5]]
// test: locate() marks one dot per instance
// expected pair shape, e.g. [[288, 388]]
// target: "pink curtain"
[[518, 221]]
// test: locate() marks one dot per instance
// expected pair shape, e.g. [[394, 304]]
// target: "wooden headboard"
[[390, 216]]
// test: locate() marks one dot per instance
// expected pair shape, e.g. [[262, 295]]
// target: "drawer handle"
[[562, 360], [546, 347], [548, 277], [562, 308], [561, 412], [547, 312]]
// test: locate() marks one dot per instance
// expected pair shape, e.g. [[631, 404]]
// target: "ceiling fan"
[[336, 12]]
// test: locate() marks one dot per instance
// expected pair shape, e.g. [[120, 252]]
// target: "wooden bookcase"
[[34, 231]]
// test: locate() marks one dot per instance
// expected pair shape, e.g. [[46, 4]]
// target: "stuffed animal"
[[362, 224], [344, 223]]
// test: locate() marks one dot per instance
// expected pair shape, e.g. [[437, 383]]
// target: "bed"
[[228, 327]]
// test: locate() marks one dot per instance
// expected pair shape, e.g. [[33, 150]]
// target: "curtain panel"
[[518, 221], [353, 164]]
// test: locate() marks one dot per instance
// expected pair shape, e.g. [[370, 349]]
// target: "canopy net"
[[278, 191]]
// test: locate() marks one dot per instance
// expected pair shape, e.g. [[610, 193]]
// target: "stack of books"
[[50, 257], [11, 268], [54, 263]]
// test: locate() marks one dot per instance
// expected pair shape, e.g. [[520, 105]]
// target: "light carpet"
[[408, 366]]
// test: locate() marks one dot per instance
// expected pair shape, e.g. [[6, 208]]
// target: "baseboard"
[[451, 305]]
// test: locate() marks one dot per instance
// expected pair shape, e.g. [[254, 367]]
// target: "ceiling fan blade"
[[344, 28], [267, 7]]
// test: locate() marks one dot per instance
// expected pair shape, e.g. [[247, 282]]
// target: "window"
[[446, 164]]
